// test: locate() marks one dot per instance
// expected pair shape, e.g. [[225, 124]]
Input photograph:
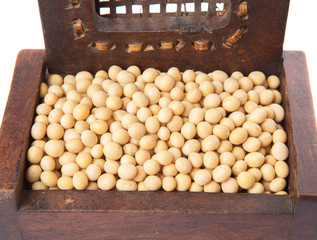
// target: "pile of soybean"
[[184, 131]]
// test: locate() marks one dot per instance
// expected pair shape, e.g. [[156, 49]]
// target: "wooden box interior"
[[27, 214]]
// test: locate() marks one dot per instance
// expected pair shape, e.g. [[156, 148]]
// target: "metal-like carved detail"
[[78, 28], [243, 10], [234, 38]]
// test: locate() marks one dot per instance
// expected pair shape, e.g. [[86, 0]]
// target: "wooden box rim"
[[20, 202], [298, 209]]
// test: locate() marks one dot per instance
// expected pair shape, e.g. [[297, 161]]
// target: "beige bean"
[[239, 166], [238, 136], [183, 165], [245, 180], [33, 173], [281, 169], [230, 186], [212, 187], [152, 183], [210, 160], [278, 184], [151, 166], [227, 158], [49, 178], [252, 144], [93, 172], [195, 159], [191, 146], [65, 183], [169, 183], [183, 182], [69, 169], [34, 154], [256, 188], [280, 151], [202, 177], [126, 185], [253, 129], [127, 171], [268, 173], [112, 151], [279, 112], [279, 136], [38, 130], [106, 181], [231, 104], [177, 139], [212, 101], [221, 173], [111, 166], [210, 143], [54, 148], [254, 159], [147, 142]]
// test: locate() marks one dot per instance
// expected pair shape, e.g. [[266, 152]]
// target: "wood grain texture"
[[302, 117], [147, 225], [154, 215], [160, 202], [9, 227], [14, 137], [302, 121], [18, 116], [260, 48]]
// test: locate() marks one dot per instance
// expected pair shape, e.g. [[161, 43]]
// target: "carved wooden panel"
[[205, 35]]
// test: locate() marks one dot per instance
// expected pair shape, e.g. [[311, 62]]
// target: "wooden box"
[[245, 36]]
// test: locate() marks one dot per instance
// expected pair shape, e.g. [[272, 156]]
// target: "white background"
[[21, 29]]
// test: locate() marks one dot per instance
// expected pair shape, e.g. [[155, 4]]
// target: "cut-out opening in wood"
[[154, 8], [204, 7], [135, 47], [178, 44], [188, 7], [166, 45], [233, 39], [121, 10], [201, 45], [72, 4], [148, 48], [243, 10], [137, 9], [103, 46], [171, 7], [105, 10], [170, 45], [78, 28], [173, 14], [220, 7]]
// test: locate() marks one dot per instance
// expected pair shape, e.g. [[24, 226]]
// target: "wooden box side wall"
[[275, 212], [302, 125], [14, 137]]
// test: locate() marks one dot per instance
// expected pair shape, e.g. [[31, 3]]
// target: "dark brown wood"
[[153, 215], [14, 137], [147, 225], [160, 202], [259, 48], [27, 214], [302, 122]]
